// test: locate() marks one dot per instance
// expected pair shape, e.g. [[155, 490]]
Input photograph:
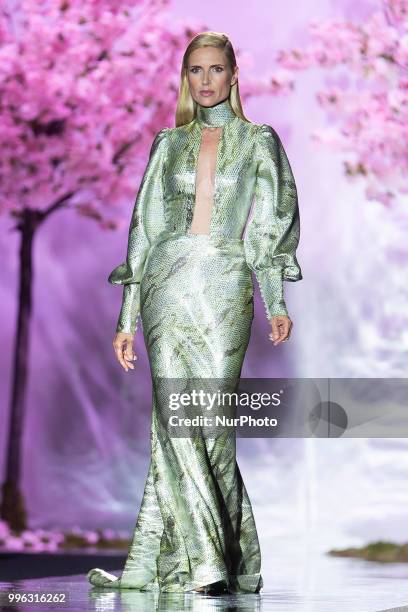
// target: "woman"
[[188, 274]]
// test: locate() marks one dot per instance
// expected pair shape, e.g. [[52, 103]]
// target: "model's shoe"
[[98, 577], [215, 588]]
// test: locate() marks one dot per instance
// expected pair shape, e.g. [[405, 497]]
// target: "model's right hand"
[[123, 347]]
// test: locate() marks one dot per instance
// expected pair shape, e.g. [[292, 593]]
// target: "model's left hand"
[[281, 329]]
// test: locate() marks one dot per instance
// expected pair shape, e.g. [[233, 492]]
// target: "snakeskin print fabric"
[[195, 524], [251, 167], [195, 296]]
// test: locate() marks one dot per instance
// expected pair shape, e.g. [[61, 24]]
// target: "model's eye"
[[194, 69], [218, 68]]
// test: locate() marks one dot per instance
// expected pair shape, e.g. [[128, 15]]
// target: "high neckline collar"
[[215, 116]]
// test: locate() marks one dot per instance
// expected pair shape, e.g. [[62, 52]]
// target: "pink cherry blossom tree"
[[368, 105], [365, 99], [84, 86]]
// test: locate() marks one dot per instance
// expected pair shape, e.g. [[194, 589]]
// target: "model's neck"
[[215, 116]]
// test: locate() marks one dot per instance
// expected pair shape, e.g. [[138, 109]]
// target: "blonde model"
[[188, 275]]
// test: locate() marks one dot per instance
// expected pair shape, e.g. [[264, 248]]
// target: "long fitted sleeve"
[[273, 231], [146, 223]]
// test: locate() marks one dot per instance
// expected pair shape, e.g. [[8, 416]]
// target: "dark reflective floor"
[[296, 580]]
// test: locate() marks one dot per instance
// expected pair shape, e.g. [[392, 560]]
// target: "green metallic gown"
[[194, 295]]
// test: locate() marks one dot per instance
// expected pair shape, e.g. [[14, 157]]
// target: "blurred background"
[[84, 86]]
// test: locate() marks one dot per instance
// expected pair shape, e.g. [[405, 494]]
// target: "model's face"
[[209, 76]]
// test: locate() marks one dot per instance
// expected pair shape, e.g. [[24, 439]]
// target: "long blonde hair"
[[186, 108]]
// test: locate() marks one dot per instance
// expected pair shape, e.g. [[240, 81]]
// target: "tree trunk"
[[12, 507]]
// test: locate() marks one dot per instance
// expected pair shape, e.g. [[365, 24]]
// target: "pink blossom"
[[368, 114], [13, 543], [91, 537]]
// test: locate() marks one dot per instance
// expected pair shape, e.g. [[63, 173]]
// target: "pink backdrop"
[[87, 430]]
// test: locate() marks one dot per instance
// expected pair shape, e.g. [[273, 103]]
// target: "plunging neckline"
[[214, 182], [218, 116]]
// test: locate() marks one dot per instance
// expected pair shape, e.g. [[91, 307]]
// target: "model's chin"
[[209, 99]]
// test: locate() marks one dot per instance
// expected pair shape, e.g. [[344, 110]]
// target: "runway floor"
[[294, 582]]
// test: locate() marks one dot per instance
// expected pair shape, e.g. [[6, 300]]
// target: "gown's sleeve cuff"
[[125, 274], [129, 312], [270, 281]]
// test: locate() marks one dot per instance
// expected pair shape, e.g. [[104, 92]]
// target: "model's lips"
[[206, 92]]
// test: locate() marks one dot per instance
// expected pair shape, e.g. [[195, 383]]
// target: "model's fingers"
[[281, 327], [285, 338], [274, 335], [129, 354], [118, 348], [284, 331]]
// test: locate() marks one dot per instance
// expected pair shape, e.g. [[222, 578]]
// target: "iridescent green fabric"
[[252, 166], [195, 524], [195, 296]]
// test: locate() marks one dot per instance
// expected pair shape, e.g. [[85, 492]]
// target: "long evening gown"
[[194, 293]]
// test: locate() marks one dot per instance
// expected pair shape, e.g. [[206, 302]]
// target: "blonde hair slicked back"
[[187, 107]]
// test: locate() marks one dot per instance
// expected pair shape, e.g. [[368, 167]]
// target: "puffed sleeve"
[[273, 231], [146, 223]]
